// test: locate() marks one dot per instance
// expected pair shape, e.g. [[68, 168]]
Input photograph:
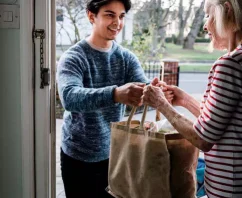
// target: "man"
[[95, 81]]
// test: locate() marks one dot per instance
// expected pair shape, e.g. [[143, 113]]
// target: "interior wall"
[[10, 113]]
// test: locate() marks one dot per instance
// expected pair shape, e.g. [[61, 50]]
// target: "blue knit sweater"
[[86, 81]]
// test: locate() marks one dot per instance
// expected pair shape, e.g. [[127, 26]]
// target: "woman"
[[218, 127]]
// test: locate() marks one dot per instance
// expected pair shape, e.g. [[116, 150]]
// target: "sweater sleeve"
[[74, 96], [135, 70]]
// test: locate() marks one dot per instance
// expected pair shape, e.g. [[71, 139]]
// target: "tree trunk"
[[183, 20], [162, 36], [197, 22], [154, 42], [180, 37], [162, 28]]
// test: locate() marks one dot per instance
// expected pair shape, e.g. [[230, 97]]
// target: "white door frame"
[[38, 118], [53, 100], [26, 69]]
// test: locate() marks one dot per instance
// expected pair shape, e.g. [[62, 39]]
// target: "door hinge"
[[44, 72]]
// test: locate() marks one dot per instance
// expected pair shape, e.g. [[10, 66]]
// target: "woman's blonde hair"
[[222, 20]]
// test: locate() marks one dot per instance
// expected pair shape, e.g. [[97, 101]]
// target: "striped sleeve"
[[222, 99]]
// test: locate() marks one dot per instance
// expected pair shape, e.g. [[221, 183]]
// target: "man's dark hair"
[[94, 5]]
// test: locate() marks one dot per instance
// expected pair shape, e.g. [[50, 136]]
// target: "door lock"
[[44, 72]]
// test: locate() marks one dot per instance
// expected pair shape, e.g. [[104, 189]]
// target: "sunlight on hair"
[[220, 20]]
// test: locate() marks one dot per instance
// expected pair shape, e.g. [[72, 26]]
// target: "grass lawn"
[[195, 68], [200, 53]]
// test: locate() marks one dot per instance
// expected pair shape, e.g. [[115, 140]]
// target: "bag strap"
[[142, 119], [131, 115], [158, 114], [158, 117]]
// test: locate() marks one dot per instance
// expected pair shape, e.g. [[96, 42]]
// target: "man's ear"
[[91, 16]]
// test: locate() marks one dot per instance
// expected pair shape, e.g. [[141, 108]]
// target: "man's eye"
[[110, 15], [122, 16]]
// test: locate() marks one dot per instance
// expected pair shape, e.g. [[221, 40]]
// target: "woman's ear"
[[228, 8], [230, 18], [90, 16]]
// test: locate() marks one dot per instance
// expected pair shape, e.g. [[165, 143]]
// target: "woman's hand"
[[153, 96], [168, 94], [175, 95]]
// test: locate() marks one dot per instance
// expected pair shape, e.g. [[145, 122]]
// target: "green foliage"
[[198, 40], [168, 40], [141, 46], [199, 54], [202, 40], [196, 68], [201, 32], [171, 39]]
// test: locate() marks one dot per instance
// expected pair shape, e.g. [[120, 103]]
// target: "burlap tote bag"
[[146, 164]]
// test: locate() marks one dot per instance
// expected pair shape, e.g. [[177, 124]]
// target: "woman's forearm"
[[192, 105], [185, 126]]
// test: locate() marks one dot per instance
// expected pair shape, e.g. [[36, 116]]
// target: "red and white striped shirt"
[[220, 123]]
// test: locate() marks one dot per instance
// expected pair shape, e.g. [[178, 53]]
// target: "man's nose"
[[117, 21]]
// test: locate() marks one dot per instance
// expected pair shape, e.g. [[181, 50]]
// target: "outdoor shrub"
[[202, 40], [141, 46], [168, 39]]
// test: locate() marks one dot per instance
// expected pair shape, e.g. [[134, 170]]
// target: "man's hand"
[[129, 94]]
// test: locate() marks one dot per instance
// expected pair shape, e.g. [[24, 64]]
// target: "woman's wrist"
[[185, 100], [163, 105], [192, 105]]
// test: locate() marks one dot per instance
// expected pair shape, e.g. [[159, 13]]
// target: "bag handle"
[[142, 119], [158, 115]]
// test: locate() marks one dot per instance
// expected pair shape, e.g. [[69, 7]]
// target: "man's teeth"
[[113, 29]]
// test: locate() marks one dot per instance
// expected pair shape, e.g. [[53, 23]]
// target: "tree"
[[140, 45], [196, 24], [154, 15], [183, 17], [74, 12]]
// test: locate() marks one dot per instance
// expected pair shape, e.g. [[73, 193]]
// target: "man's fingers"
[[136, 102], [137, 93], [139, 84]]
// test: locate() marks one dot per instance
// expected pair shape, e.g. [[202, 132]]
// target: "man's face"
[[109, 21]]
